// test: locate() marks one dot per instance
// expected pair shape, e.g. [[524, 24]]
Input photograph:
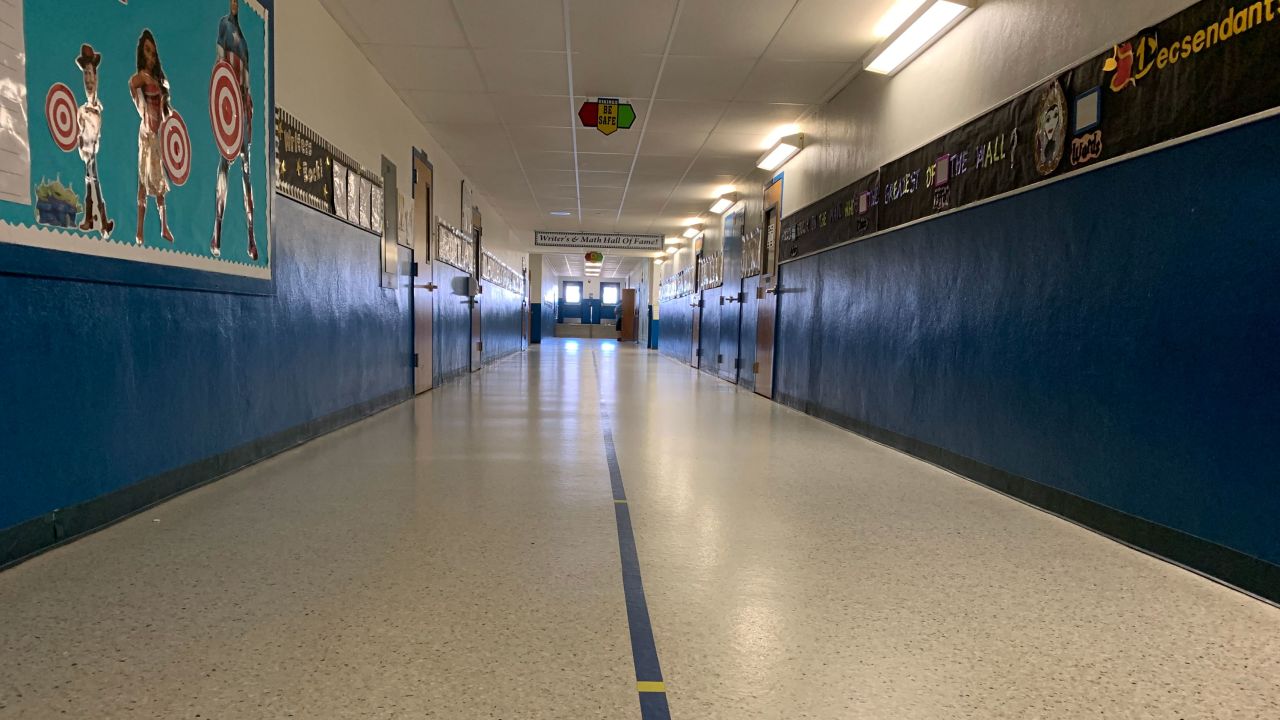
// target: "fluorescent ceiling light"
[[778, 133], [724, 203], [898, 15], [693, 232], [561, 213], [778, 156], [924, 27], [671, 241], [673, 249]]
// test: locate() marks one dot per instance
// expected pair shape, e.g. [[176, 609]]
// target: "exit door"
[[423, 280], [767, 293]]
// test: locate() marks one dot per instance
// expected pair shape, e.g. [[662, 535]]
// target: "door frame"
[[767, 292], [423, 277]]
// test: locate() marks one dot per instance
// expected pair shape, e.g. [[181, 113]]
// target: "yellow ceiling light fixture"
[[692, 232], [915, 33], [724, 202], [781, 151]]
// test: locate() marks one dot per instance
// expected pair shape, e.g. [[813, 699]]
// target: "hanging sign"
[[607, 115], [609, 241]]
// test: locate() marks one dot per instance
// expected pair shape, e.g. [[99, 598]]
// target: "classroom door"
[[477, 323], [423, 280], [767, 293]]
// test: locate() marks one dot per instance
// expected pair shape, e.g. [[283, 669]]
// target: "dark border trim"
[[1243, 572], [26, 540]]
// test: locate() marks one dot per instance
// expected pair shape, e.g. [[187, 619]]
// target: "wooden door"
[[628, 316], [423, 280], [767, 293]]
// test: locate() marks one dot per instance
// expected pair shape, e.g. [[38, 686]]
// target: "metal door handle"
[[430, 287]]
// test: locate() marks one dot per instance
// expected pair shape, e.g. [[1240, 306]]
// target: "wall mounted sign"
[[1193, 72], [607, 115], [607, 241], [312, 171], [138, 132]]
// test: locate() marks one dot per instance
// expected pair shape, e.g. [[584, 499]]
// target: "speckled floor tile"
[[456, 557]]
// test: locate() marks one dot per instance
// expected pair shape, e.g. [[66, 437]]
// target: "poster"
[[1200, 69], [148, 131]]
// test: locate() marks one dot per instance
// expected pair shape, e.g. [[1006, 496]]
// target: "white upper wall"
[[324, 80], [1003, 48]]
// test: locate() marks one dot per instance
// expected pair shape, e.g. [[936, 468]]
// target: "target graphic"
[[226, 110], [177, 148], [61, 112]]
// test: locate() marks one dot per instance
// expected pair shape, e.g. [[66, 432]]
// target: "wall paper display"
[[677, 286], [710, 270], [150, 118], [339, 192], [499, 273], [1195, 71], [468, 205], [456, 248], [311, 170], [844, 215], [607, 241]]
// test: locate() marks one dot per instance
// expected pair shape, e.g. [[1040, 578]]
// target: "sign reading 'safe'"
[[611, 241]]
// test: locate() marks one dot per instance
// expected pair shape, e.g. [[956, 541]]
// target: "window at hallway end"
[[609, 293]]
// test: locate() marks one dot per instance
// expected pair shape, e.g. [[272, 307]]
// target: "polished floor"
[[458, 557]]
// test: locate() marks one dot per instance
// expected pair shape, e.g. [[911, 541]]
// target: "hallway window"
[[572, 293], [609, 293]]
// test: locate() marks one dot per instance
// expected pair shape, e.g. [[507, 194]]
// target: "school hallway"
[[458, 556]]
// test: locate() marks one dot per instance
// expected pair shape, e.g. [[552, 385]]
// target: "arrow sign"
[[607, 115]]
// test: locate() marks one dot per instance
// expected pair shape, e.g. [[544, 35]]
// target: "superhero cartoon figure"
[[233, 49], [150, 91], [89, 116]]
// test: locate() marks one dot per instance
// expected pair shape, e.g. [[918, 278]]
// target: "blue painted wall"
[[548, 320], [676, 318], [107, 385], [747, 338], [535, 323], [502, 323], [1114, 335], [451, 332]]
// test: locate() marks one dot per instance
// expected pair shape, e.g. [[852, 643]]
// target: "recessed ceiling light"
[[561, 213]]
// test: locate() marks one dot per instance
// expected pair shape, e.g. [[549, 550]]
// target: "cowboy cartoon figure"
[[89, 116], [234, 50]]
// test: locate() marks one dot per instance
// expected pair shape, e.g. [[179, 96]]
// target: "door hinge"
[[480, 346], [737, 363], [699, 353], [413, 269], [416, 361], [721, 301], [755, 368], [720, 359], [742, 297], [760, 293]]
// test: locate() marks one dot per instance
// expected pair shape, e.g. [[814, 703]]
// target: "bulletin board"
[[137, 141]]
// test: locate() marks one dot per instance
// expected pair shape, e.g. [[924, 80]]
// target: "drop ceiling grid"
[[479, 70]]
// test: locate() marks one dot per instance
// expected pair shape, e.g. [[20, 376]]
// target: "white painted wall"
[[324, 80]]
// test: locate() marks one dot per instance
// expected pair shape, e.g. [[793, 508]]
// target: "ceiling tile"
[[662, 166], [792, 81], [677, 144], [537, 110], [344, 11], [691, 77], [514, 24], [603, 179], [629, 77], [748, 118], [708, 166], [604, 162], [591, 140], [621, 26], [538, 139], [408, 67], [439, 107], [733, 145], [729, 28], [693, 116], [829, 30], [528, 73], [429, 23], [547, 160], [553, 177]]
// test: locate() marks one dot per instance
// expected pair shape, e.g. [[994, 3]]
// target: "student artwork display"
[[710, 270], [127, 129], [456, 248], [499, 273], [312, 171], [1198, 70], [677, 286]]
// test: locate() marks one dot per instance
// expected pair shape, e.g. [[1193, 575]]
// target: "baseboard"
[[37, 535], [1252, 575]]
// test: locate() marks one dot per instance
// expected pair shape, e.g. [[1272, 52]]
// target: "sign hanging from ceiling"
[[607, 115], [610, 241]]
